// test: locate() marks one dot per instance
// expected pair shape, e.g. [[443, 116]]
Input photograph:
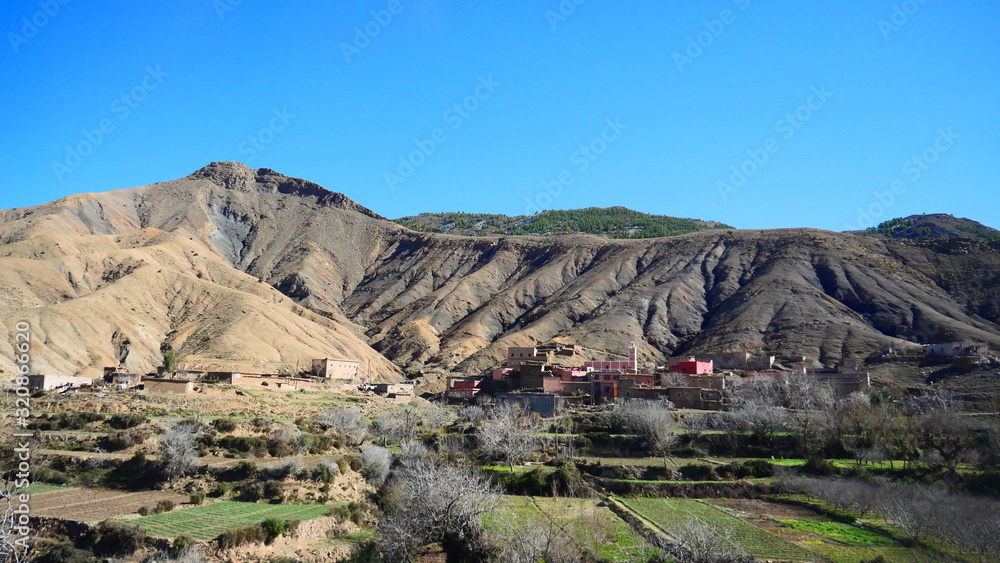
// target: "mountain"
[[246, 265], [610, 222], [937, 225]]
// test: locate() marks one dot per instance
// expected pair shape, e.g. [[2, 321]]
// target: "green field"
[[206, 522], [844, 533], [596, 528], [667, 514]]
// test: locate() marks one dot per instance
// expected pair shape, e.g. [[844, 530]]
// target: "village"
[[544, 379]]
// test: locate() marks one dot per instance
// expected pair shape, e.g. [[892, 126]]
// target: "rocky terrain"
[[250, 265]]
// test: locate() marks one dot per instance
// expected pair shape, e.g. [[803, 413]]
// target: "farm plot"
[[95, 505], [836, 541], [206, 522], [668, 514], [593, 528]]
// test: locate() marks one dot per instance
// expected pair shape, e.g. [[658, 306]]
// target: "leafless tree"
[[756, 408], [537, 537], [653, 420], [698, 542], [676, 380], [376, 462], [178, 447], [346, 421], [508, 433], [435, 416], [429, 501], [941, 426], [396, 427], [16, 535], [291, 437]]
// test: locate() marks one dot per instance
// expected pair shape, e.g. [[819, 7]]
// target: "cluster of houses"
[[324, 373], [540, 378]]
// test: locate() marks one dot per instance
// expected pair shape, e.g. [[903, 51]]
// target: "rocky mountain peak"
[[240, 177]]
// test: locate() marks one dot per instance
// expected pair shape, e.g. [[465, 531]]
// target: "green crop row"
[[669, 514], [206, 522]]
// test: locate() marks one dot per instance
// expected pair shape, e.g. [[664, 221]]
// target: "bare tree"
[[941, 426], [435, 416], [508, 433], [698, 542], [376, 462], [538, 537], [16, 536], [429, 501], [396, 427], [179, 447], [756, 408], [653, 420], [346, 421]]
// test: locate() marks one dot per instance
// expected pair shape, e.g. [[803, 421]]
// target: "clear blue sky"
[[179, 84]]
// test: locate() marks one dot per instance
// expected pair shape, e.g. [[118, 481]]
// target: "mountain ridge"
[[253, 266]]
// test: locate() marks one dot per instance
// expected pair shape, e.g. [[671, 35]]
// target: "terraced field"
[[595, 527], [668, 514], [94, 505], [206, 522]]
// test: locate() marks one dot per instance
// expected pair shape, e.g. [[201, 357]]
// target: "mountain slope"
[[233, 263]]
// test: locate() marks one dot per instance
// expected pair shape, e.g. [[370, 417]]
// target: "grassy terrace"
[[594, 527], [206, 522], [669, 514]]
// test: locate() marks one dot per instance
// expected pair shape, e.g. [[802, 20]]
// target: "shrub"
[[219, 490], [197, 498], [143, 511], [120, 441], [241, 536], [322, 443], [325, 471], [164, 506], [182, 544], [273, 528], [355, 463], [698, 472], [272, 489], [224, 425], [340, 513], [244, 470], [116, 538], [65, 553], [125, 421]]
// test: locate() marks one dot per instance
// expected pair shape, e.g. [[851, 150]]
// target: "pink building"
[[693, 368], [631, 364], [500, 372]]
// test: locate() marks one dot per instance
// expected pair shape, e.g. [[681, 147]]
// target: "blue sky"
[[834, 115]]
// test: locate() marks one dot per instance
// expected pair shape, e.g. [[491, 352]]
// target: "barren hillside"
[[252, 265]]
